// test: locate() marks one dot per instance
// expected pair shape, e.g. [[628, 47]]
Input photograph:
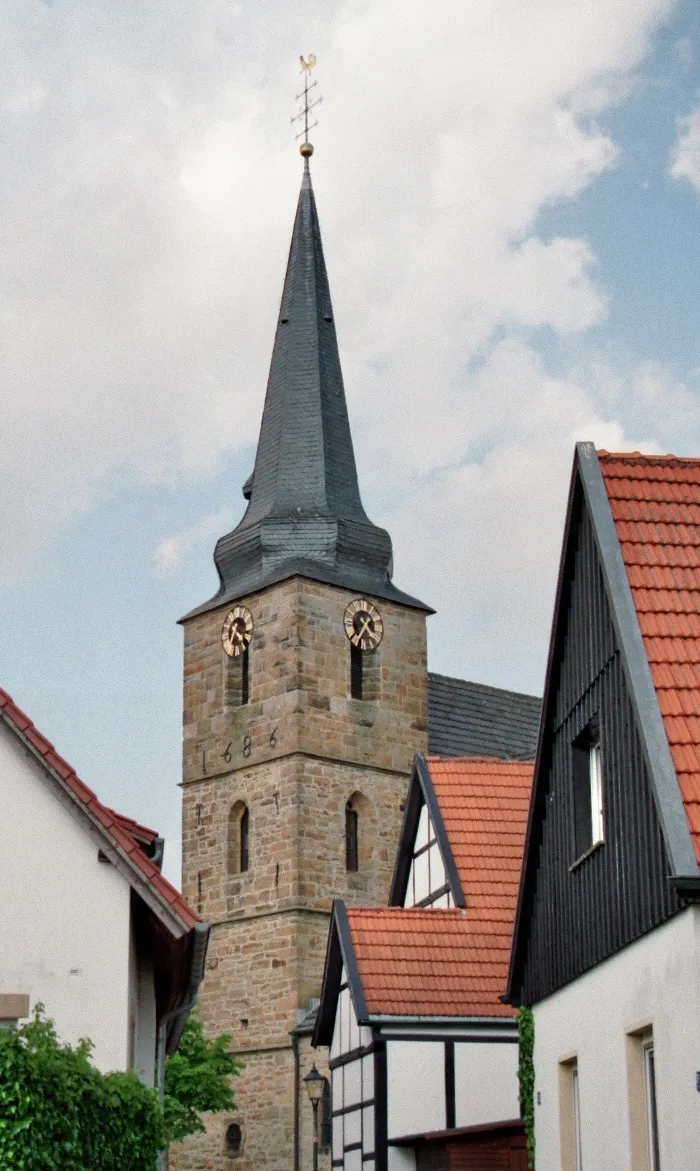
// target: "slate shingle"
[[471, 719]]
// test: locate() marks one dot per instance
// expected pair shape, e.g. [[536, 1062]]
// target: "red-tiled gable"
[[484, 805], [655, 503], [122, 831], [428, 962]]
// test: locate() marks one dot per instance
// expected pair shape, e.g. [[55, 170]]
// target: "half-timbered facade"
[[423, 1053], [607, 938]]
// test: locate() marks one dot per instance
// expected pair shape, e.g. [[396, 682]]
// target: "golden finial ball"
[[306, 150]]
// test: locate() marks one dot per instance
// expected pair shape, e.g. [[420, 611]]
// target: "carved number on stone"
[[226, 754], [247, 746], [273, 738]]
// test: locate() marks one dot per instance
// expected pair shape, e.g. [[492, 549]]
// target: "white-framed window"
[[588, 784], [596, 782], [650, 1104], [570, 1116]]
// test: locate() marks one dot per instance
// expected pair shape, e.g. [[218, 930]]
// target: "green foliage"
[[526, 1077], [197, 1080], [58, 1113]]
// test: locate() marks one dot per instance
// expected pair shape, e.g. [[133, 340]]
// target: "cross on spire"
[[310, 102]]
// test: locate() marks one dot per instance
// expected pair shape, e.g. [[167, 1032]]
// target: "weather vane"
[[309, 103]]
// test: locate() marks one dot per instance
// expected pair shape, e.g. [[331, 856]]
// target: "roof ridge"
[[484, 686]]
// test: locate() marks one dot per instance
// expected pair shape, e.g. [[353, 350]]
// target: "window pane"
[[596, 781]]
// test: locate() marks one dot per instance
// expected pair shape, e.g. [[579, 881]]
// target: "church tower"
[[305, 699]]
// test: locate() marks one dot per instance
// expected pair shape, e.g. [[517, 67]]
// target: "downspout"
[[295, 1049]]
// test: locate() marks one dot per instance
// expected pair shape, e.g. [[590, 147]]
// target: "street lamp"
[[314, 1084]]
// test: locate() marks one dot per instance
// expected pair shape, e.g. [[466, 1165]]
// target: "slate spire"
[[304, 512]]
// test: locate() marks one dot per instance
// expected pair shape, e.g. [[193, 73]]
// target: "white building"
[[90, 927], [423, 1053], [607, 940]]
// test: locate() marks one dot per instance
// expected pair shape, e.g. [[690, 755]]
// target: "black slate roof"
[[471, 719], [305, 515]]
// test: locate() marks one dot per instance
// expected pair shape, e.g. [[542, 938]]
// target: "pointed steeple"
[[305, 515]]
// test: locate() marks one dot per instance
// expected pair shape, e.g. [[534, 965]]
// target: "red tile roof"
[[655, 503], [484, 806], [123, 832], [429, 962], [433, 962]]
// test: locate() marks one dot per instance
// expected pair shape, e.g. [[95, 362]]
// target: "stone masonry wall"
[[294, 754]]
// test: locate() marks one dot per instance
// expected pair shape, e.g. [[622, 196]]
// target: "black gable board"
[[574, 913]]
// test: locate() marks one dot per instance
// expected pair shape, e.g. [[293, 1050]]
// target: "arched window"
[[239, 839], [325, 1122], [233, 1142], [352, 835]]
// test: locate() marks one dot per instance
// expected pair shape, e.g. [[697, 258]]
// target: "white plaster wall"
[[64, 916], [401, 1159], [486, 1083], [655, 980], [415, 1087]]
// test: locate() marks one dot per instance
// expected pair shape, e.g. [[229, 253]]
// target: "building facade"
[[606, 941], [93, 931], [306, 695]]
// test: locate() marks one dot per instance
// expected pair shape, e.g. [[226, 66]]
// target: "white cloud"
[[171, 551], [146, 197], [685, 158]]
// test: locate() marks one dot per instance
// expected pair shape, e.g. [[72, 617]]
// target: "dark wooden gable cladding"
[[574, 912]]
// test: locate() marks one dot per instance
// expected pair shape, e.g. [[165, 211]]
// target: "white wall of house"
[[64, 916], [653, 982], [427, 876], [415, 1074], [486, 1083], [352, 1089]]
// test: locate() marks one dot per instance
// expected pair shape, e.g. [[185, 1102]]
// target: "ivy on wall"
[[58, 1113], [526, 1077]]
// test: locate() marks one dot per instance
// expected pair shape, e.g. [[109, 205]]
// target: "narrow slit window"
[[244, 841], [245, 677], [239, 839], [356, 672], [576, 1104], [351, 838], [325, 1129]]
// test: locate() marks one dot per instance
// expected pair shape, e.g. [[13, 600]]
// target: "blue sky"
[[510, 211]]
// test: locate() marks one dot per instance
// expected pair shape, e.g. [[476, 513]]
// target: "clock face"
[[237, 630], [363, 624]]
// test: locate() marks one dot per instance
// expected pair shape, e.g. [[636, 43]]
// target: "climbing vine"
[[526, 1077]]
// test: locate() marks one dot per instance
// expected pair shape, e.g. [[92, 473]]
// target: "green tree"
[[59, 1113], [197, 1080]]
